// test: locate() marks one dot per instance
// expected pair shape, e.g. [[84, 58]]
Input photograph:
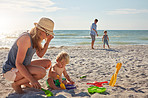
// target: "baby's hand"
[[71, 82], [59, 89]]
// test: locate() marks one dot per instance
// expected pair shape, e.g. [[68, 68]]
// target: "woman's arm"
[[41, 52]]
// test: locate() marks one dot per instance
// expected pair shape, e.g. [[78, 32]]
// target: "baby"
[[59, 68], [105, 39]]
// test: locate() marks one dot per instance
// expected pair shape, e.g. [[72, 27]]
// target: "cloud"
[[28, 5], [127, 11]]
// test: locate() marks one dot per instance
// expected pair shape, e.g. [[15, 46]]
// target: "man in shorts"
[[93, 32]]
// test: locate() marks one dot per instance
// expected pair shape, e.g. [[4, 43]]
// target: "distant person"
[[105, 39], [58, 69], [19, 67], [93, 32]]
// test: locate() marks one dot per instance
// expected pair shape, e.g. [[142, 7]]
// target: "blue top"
[[10, 62], [105, 37], [93, 26]]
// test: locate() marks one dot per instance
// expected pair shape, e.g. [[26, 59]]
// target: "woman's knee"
[[39, 71], [48, 64], [42, 73]]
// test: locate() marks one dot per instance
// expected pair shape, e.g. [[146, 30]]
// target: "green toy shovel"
[[47, 92]]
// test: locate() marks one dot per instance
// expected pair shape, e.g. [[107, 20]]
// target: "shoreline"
[[100, 45], [98, 65]]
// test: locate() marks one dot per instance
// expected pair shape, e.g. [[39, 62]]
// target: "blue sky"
[[75, 14]]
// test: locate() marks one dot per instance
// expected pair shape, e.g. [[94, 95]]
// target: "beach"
[[97, 65]]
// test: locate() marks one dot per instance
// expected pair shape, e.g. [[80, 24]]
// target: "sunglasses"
[[47, 34]]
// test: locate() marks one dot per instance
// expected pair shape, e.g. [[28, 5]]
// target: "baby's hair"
[[105, 31], [63, 56]]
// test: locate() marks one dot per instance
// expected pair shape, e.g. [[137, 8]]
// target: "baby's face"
[[62, 63]]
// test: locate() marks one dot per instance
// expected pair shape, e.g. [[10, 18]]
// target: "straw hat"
[[46, 25]]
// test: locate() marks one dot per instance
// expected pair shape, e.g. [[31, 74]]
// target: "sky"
[[74, 14]]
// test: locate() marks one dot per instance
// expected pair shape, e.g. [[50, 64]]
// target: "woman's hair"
[[63, 56], [35, 38]]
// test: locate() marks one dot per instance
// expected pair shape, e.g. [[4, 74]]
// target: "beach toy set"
[[62, 85], [97, 88], [68, 86]]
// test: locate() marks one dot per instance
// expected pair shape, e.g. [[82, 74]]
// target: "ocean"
[[82, 37]]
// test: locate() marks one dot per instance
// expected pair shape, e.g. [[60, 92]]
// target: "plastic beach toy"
[[47, 92], [99, 84], [70, 86], [47, 83], [82, 77], [95, 89], [62, 84], [114, 77]]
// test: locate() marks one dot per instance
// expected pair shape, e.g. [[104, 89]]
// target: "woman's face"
[[43, 34]]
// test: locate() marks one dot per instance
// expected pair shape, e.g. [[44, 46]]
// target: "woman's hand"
[[35, 84], [49, 38]]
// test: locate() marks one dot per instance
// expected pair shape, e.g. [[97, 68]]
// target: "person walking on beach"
[[93, 32], [18, 68], [105, 39]]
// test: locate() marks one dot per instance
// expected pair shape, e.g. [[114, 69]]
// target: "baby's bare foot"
[[27, 85], [17, 88]]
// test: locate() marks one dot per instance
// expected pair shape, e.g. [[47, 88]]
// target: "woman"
[[18, 67]]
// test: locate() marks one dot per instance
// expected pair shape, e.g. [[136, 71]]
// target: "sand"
[[98, 65]]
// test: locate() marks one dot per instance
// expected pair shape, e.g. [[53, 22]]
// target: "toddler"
[[59, 68], [105, 39]]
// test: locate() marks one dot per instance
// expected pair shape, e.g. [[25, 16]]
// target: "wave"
[[100, 42], [145, 38], [123, 43], [76, 37], [72, 37], [66, 34], [114, 36], [11, 37], [83, 43]]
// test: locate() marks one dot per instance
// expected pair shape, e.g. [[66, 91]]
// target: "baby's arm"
[[107, 38], [102, 37], [52, 73], [67, 76]]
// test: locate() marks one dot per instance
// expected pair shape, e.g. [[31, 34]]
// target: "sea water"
[[82, 37]]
